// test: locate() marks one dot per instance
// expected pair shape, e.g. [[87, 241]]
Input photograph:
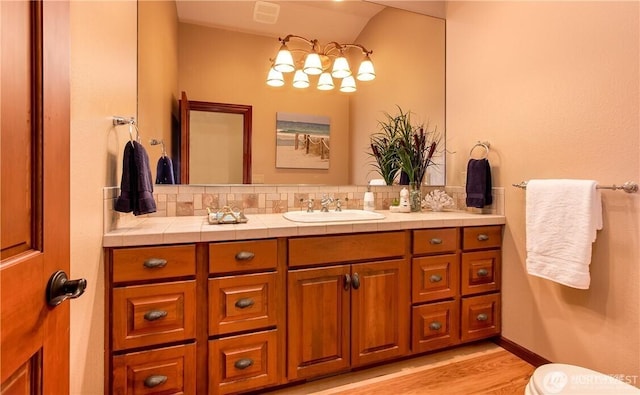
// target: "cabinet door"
[[380, 306], [318, 321]]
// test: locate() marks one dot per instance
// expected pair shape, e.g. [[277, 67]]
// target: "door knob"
[[60, 288]]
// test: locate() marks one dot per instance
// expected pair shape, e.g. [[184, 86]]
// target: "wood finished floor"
[[483, 368]]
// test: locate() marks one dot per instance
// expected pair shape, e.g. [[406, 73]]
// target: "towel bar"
[[628, 187]]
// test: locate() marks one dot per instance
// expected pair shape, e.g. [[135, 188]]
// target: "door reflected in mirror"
[[215, 142]]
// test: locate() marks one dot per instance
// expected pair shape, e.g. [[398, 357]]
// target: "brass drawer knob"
[[154, 380], [435, 278], [245, 256], [244, 303], [155, 263], [482, 317], [243, 363], [435, 240], [483, 273], [153, 315], [435, 326], [483, 237]]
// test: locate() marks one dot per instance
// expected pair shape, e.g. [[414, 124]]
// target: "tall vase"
[[415, 197]]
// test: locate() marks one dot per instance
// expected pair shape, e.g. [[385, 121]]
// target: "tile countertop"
[[173, 230]]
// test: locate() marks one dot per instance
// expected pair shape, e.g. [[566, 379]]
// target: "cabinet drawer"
[[435, 241], [151, 314], [151, 263], [244, 302], [435, 325], [480, 317], [435, 277], [479, 237], [323, 250], [170, 370], [242, 256], [480, 272], [241, 363]]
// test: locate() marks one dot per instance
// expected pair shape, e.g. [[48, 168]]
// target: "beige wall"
[[103, 84], [408, 54], [554, 87], [157, 74], [227, 67]]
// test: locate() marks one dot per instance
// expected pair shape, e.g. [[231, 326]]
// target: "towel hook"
[[482, 144], [157, 142]]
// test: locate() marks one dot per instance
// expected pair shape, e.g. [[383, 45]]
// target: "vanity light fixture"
[[328, 62]]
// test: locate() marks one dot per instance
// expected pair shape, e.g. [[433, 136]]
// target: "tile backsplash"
[[193, 200]]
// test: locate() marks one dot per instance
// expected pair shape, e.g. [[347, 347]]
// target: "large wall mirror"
[[225, 61]]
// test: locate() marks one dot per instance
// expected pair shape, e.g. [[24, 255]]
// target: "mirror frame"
[[186, 106]]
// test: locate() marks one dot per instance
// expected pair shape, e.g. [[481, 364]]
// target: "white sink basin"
[[332, 216]]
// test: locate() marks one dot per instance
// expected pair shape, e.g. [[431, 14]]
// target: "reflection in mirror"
[[215, 143], [216, 64]]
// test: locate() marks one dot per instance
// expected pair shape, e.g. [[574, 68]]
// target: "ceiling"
[[325, 20]]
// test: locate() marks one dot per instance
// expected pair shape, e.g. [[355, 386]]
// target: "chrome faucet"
[[326, 200], [310, 205]]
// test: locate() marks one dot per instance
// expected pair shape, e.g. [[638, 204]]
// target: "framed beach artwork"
[[302, 141]]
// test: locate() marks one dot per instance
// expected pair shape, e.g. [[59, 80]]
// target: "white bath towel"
[[562, 219]]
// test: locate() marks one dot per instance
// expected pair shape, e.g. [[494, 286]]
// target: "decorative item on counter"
[[405, 201], [406, 149], [226, 215], [369, 200], [437, 200]]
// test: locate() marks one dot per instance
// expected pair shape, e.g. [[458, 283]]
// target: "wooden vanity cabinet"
[[350, 312], [241, 316], [151, 330]]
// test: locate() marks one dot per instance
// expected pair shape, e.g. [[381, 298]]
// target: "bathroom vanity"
[[198, 308]]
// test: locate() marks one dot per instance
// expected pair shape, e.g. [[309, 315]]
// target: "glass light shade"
[[366, 71], [325, 82], [341, 68], [284, 60], [300, 79], [274, 78], [312, 64], [348, 84]]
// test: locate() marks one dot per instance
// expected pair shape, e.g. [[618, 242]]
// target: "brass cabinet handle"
[[245, 256], [154, 380], [155, 263], [243, 363], [435, 278], [435, 326], [483, 273], [435, 240], [244, 303], [347, 282], [482, 317], [483, 237], [356, 281], [153, 315]]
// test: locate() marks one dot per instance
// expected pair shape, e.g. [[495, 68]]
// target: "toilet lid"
[[558, 378]]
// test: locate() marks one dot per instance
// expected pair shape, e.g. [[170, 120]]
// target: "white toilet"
[[558, 378]]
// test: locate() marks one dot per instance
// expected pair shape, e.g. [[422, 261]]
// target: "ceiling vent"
[[264, 12]]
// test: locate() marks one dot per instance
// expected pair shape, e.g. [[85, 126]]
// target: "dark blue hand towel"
[[164, 171], [478, 183], [136, 188]]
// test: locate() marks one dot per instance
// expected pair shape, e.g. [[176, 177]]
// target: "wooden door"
[[380, 307], [318, 321], [34, 210]]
